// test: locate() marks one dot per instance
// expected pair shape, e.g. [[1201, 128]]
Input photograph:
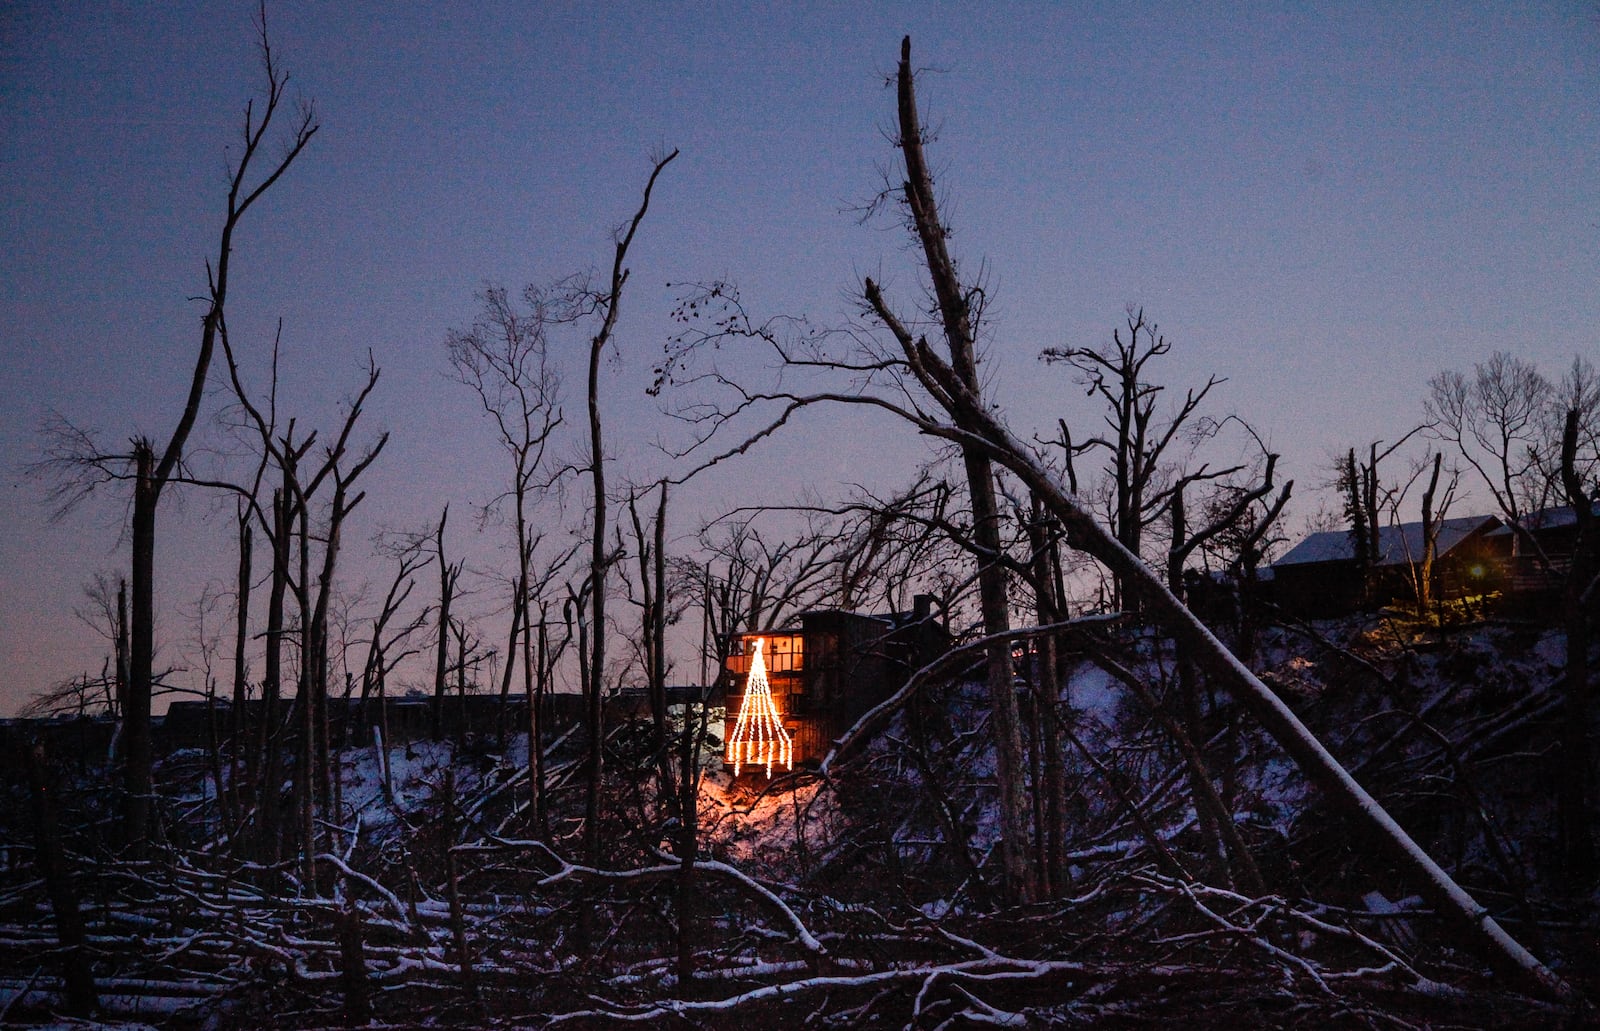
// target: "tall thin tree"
[[957, 316], [604, 304], [152, 467]]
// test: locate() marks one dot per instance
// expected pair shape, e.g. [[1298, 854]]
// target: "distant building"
[[829, 667], [402, 718], [1320, 575]]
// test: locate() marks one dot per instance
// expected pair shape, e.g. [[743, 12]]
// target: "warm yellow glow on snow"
[[759, 738]]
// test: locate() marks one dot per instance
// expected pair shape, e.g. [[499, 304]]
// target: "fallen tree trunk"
[[974, 421], [975, 425]]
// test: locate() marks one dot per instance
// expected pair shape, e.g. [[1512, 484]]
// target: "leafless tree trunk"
[[342, 504], [151, 476], [386, 648], [122, 648], [653, 632], [241, 668], [1139, 442], [537, 690], [269, 737], [519, 604], [658, 654], [1575, 816], [78, 976], [1434, 507], [691, 741], [353, 963], [1049, 608], [606, 306], [137, 782], [458, 923], [1370, 503], [448, 574], [464, 654], [305, 700], [954, 301]]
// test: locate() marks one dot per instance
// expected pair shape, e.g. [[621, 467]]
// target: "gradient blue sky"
[[1325, 203]]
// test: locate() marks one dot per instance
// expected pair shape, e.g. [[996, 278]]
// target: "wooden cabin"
[[828, 668], [1537, 569], [1320, 576]]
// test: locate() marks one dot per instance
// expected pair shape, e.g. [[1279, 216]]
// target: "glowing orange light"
[[759, 738]]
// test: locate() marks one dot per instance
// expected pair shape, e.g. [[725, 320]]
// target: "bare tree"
[[1436, 502], [343, 473], [106, 614], [1360, 516], [1497, 420], [388, 646], [1575, 814], [1216, 824], [769, 576], [449, 578], [1141, 464], [504, 358], [604, 304], [291, 522], [960, 307], [79, 696], [1366, 499], [85, 466], [1533, 443], [652, 556]]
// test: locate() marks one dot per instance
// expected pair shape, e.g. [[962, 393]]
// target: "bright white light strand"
[[759, 738]]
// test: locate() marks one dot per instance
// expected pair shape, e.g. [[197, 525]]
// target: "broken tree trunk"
[[77, 977]]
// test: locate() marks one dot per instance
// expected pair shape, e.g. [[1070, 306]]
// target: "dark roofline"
[[1557, 517], [1332, 547]]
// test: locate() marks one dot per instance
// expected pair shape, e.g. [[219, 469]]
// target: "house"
[[828, 669], [1320, 575], [1539, 567]]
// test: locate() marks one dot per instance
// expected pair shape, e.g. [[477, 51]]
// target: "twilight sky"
[[1326, 204]]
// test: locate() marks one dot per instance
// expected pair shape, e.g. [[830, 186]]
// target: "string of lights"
[[758, 737]]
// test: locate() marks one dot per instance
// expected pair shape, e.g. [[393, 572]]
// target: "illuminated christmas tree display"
[[759, 738]]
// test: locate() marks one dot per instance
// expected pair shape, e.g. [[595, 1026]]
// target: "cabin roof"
[[1397, 545], [893, 620], [1559, 518]]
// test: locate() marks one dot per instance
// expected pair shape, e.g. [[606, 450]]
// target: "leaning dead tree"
[[930, 394], [962, 415], [151, 467]]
